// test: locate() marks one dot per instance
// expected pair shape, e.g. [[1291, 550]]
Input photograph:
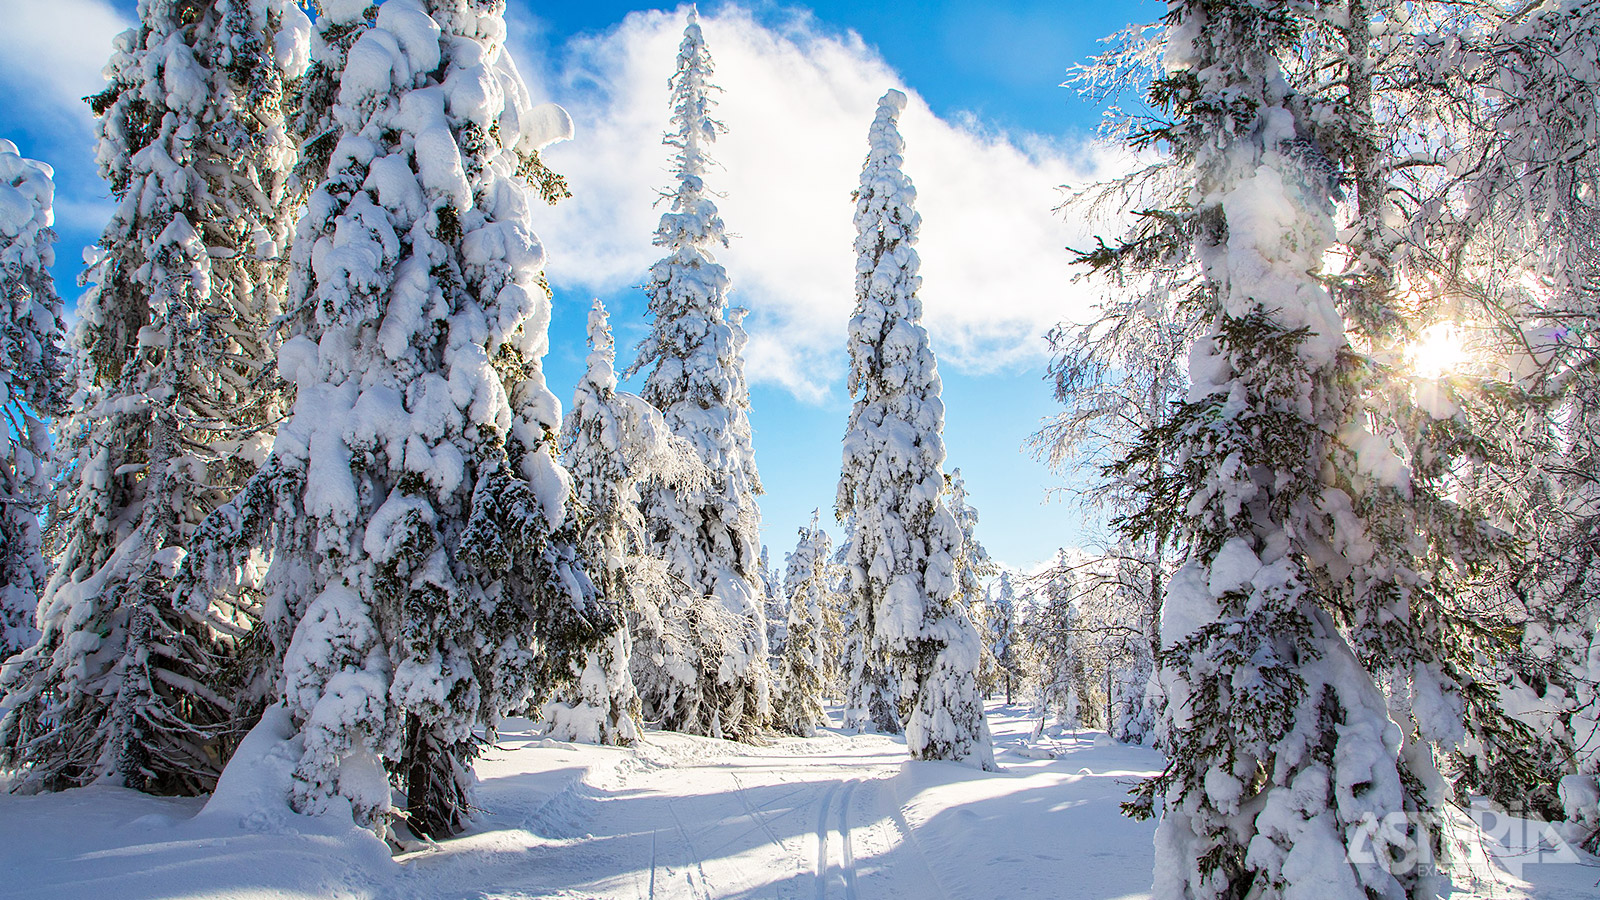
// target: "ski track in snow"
[[836, 817], [822, 843], [847, 868]]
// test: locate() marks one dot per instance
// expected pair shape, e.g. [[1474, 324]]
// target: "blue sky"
[[990, 137]]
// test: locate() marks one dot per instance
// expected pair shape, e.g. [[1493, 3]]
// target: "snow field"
[[835, 817], [830, 817]]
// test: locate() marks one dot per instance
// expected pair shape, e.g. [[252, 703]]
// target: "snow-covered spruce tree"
[[1050, 630], [32, 386], [1406, 118], [1523, 228], [708, 537], [905, 541], [1282, 758], [1001, 634], [973, 567], [777, 606], [605, 708], [424, 561], [615, 442], [175, 392], [838, 626], [809, 580]]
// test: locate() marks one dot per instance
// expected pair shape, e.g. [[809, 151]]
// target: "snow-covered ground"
[[835, 817]]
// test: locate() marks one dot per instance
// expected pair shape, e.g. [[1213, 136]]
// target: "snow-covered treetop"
[[691, 227], [810, 560], [888, 346], [697, 380], [886, 194], [600, 374], [691, 344], [693, 219]]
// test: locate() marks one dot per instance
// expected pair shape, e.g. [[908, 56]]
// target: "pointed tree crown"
[[692, 220]]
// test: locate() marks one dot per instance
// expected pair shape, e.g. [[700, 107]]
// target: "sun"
[[1439, 350]]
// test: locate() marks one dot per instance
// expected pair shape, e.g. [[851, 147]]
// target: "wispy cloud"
[[51, 54], [797, 101]]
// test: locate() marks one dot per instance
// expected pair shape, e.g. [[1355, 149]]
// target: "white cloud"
[[797, 102], [51, 53]]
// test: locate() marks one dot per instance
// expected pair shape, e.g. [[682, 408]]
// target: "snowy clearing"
[[836, 817]]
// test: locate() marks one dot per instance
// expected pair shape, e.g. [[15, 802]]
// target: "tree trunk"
[[436, 802]]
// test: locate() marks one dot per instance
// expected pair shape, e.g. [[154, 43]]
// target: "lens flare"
[[1439, 350]]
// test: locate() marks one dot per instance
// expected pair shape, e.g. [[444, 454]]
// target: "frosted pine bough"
[[32, 386], [174, 391], [718, 682], [423, 572], [903, 540]]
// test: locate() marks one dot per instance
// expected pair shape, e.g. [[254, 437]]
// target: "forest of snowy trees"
[[295, 469]]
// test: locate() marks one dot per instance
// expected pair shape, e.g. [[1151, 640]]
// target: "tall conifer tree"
[[175, 393], [615, 443], [424, 579], [809, 579], [694, 350], [904, 541], [1281, 751], [604, 708]]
